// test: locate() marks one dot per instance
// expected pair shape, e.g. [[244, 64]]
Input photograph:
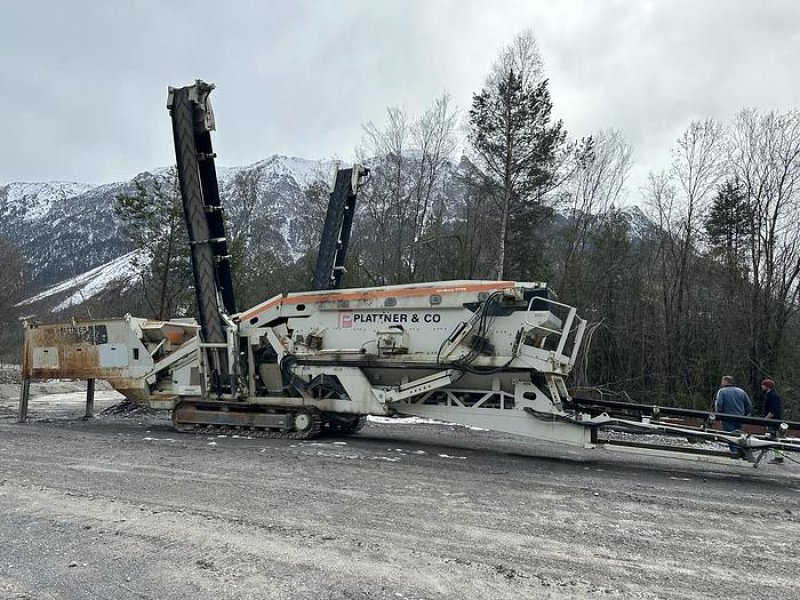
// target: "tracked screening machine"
[[491, 354]]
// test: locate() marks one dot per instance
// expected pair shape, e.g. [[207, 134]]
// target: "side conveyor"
[[192, 123]]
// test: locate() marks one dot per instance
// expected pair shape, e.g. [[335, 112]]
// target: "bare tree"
[[764, 155], [523, 57], [680, 200], [306, 230], [385, 195], [594, 187], [409, 159], [244, 192], [433, 135], [476, 227]]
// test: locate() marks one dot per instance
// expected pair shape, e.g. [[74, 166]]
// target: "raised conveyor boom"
[[335, 237], [192, 123]]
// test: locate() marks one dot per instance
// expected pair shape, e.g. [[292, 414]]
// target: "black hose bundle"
[[478, 337]]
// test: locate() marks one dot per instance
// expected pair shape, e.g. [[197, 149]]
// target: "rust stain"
[[76, 360]]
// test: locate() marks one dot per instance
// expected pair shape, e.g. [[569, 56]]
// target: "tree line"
[[704, 283]]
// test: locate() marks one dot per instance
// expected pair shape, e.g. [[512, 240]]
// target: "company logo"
[[345, 320]]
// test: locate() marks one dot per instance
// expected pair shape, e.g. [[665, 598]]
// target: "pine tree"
[[729, 225], [152, 219], [517, 146]]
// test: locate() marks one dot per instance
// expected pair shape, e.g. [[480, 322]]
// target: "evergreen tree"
[[517, 147], [16, 285], [729, 225], [14, 274], [152, 219]]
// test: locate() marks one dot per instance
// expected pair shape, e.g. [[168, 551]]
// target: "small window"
[[301, 307], [343, 304], [135, 354], [483, 296], [390, 301], [435, 299], [254, 320]]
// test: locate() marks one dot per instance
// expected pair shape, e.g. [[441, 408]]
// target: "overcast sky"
[[84, 83]]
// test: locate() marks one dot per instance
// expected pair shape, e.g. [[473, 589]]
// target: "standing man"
[[773, 409], [732, 400]]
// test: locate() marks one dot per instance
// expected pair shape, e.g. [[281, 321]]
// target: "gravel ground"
[[122, 507]]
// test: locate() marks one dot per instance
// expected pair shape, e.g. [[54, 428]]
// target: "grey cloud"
[[85, 82]]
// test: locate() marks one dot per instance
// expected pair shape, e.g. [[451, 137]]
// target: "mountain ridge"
[[74, 243]]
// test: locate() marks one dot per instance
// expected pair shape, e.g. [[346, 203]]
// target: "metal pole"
[[23, 400], [89, 399]]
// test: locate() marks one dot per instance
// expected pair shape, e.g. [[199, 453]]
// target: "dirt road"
[[124, 508]]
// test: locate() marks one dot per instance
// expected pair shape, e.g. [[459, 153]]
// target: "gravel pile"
[[127, 408], [659, 440]]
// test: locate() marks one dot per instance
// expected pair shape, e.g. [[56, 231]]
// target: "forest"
[[692, 276]]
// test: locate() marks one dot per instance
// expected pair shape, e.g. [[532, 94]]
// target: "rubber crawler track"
[[320, 426]]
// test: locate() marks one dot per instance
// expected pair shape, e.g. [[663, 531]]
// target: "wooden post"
[[24, 395], [89, 399]]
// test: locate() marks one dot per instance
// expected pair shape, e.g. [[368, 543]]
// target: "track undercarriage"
[[259, 420]]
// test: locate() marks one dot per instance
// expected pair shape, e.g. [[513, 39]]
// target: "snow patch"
[[35, 200], [419, 421], [93, 282]]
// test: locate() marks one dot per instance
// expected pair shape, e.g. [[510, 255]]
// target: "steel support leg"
[[24, 395], [89, 399]]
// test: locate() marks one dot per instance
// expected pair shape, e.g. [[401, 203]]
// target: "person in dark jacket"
[[773, 409], [732, 400]]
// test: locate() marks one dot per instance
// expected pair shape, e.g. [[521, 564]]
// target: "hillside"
[[72, 239], [76, 250]]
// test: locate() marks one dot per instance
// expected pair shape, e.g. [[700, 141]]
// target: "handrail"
[[565, 329]]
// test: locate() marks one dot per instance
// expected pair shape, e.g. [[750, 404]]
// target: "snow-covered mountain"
[[65, 229], [73, 240]]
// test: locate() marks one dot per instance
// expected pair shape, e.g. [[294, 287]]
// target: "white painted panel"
[[113, 355], [45, 357]]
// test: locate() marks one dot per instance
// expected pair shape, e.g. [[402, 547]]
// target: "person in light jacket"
[[732, 400]]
